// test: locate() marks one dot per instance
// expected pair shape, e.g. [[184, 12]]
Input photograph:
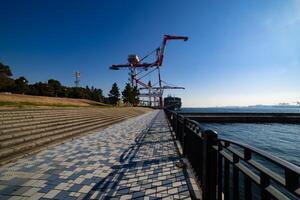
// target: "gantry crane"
[[138, 67]]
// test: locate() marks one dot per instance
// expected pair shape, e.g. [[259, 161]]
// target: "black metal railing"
[[227, 169]]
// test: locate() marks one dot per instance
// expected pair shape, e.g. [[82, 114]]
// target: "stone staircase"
[[24, 132]]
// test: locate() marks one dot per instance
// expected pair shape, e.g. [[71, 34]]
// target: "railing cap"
[[276, 160]]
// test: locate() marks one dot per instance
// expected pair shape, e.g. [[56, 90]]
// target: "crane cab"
[[133, 59]]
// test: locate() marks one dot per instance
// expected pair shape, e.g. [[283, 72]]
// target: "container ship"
[[172, 103]]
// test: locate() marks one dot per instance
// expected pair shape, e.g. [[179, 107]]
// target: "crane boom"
[[161, 51], [163, 87]]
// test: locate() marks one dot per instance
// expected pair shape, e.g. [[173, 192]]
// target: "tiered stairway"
[[24, 132]]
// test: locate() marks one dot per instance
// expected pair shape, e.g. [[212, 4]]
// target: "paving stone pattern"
[[134, 159]]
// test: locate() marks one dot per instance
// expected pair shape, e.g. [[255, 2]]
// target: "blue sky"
[[239, 52]]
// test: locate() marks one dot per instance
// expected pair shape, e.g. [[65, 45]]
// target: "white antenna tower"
[[77, 79]]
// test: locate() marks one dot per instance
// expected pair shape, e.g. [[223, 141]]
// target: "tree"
[[56, 87], [64, 91], [21, 85], [41, 89], [6, 83], [114, 94], [97, 94], [5, 71], [76, 92], [51, 88], [126, 94], [130, 95]]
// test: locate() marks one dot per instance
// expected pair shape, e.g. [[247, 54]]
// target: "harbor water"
[[282, 140]]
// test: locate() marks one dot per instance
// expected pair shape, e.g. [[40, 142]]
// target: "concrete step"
[[49, 135], [12, 113], [49, 130], [46, 113], [33, 113], [36, 121], [41, 123], [7, 114], [47, 127], [23, 132], [11, 122], [29, 118], [25, 146]]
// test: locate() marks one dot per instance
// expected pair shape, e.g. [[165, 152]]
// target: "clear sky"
[[239, 52]]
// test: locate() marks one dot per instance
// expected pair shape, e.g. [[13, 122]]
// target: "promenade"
[[134, 159]]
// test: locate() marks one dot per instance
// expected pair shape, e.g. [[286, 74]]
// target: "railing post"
[[183, 134], [209, 178], [264, 183], [247, 180], [235, 178], [220, 172], [173, 121], [176, 126], [291, 180]]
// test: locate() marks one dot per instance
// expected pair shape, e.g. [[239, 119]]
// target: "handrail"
[[220, 163], [268, 156]]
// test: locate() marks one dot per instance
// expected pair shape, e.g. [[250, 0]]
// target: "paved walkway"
[[134, 159]]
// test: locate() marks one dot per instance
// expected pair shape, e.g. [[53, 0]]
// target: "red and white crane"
[[138, 67]]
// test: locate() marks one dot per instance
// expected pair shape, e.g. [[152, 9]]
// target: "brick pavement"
[[134, 159]]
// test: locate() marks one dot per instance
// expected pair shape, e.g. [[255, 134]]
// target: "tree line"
[[53, 88]]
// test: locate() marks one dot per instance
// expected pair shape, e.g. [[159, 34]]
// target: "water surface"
[[282, 140]]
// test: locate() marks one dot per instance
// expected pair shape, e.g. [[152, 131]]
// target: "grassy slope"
[[21, 101]]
